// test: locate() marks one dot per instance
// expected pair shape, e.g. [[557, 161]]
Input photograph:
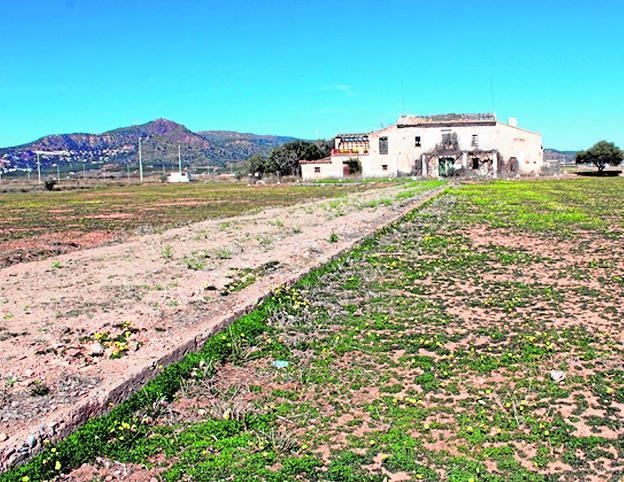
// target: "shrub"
[[355, 166], [50, 183]]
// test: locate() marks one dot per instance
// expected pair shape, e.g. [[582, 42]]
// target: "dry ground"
[[478, 339], [37, 225], [77, 326]]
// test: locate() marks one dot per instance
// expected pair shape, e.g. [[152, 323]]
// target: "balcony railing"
[[349, 152]]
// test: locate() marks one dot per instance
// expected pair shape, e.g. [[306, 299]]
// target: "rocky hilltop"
[[161, 138]]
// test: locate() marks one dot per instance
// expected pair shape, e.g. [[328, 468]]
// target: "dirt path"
[[85, 329]]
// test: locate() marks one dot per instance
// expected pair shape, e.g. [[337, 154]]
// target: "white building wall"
[[403, 154], [179, 177], [332, 170], [372, 164], [526, 146]]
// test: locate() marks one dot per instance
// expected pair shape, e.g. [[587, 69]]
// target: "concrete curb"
[[17, 450]]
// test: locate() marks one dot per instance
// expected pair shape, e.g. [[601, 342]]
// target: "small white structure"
[[179, 177], [327, 168]]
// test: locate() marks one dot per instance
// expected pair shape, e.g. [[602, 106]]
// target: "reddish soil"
[[49, 245]]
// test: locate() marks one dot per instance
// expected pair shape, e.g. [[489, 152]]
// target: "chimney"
[[513, 122]]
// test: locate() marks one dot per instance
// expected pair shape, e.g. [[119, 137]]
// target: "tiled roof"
[[325, 160], [439, 119], [357, 134]]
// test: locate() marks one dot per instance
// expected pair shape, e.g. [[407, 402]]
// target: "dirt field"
[[85, 329], [479, 338], [38, 225]]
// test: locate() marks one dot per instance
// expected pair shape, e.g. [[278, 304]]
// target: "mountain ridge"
[[558, 155], [160, 140]]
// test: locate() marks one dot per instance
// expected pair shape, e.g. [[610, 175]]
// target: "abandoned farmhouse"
[[474, 145]]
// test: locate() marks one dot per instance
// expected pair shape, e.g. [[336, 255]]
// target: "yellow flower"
[[57, 465]]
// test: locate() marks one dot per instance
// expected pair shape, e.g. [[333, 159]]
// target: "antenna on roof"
[[492, 95], [402, 97]]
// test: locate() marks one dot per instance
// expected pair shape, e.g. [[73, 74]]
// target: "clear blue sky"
[[296, 67]]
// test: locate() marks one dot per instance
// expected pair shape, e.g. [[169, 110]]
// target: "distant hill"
[[239, 146], [160, 144], [554, 154]]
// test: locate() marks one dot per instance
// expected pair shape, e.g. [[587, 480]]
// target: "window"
[[475, 163], [446, 136], [317, 169], [384, 167], [475, 140], [383, 145], [417, 141]]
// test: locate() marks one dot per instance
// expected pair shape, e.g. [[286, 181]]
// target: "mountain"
[[555, 155], [160, 140], [240, 146]]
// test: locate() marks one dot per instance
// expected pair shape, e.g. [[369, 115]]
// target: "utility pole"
[[38, 169], [28, 173], [140, 162], [179, 158], [58, 172]]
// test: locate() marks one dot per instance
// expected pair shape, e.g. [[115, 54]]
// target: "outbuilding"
[[179, 177]]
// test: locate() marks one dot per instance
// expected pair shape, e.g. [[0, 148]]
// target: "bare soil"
[[76, 326]]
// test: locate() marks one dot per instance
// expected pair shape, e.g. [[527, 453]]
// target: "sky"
[[310, 68]]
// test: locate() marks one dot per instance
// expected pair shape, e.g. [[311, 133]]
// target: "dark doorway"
[[446, 166], [418, 167]]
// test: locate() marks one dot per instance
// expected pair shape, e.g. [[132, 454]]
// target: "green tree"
[[257, 163], [285, 159], [326, 146], [601, 155], [355, 166]]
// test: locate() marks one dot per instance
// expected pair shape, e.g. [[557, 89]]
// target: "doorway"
[[446, 166]]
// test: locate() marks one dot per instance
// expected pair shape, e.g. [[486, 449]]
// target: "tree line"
[[284, 160]]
